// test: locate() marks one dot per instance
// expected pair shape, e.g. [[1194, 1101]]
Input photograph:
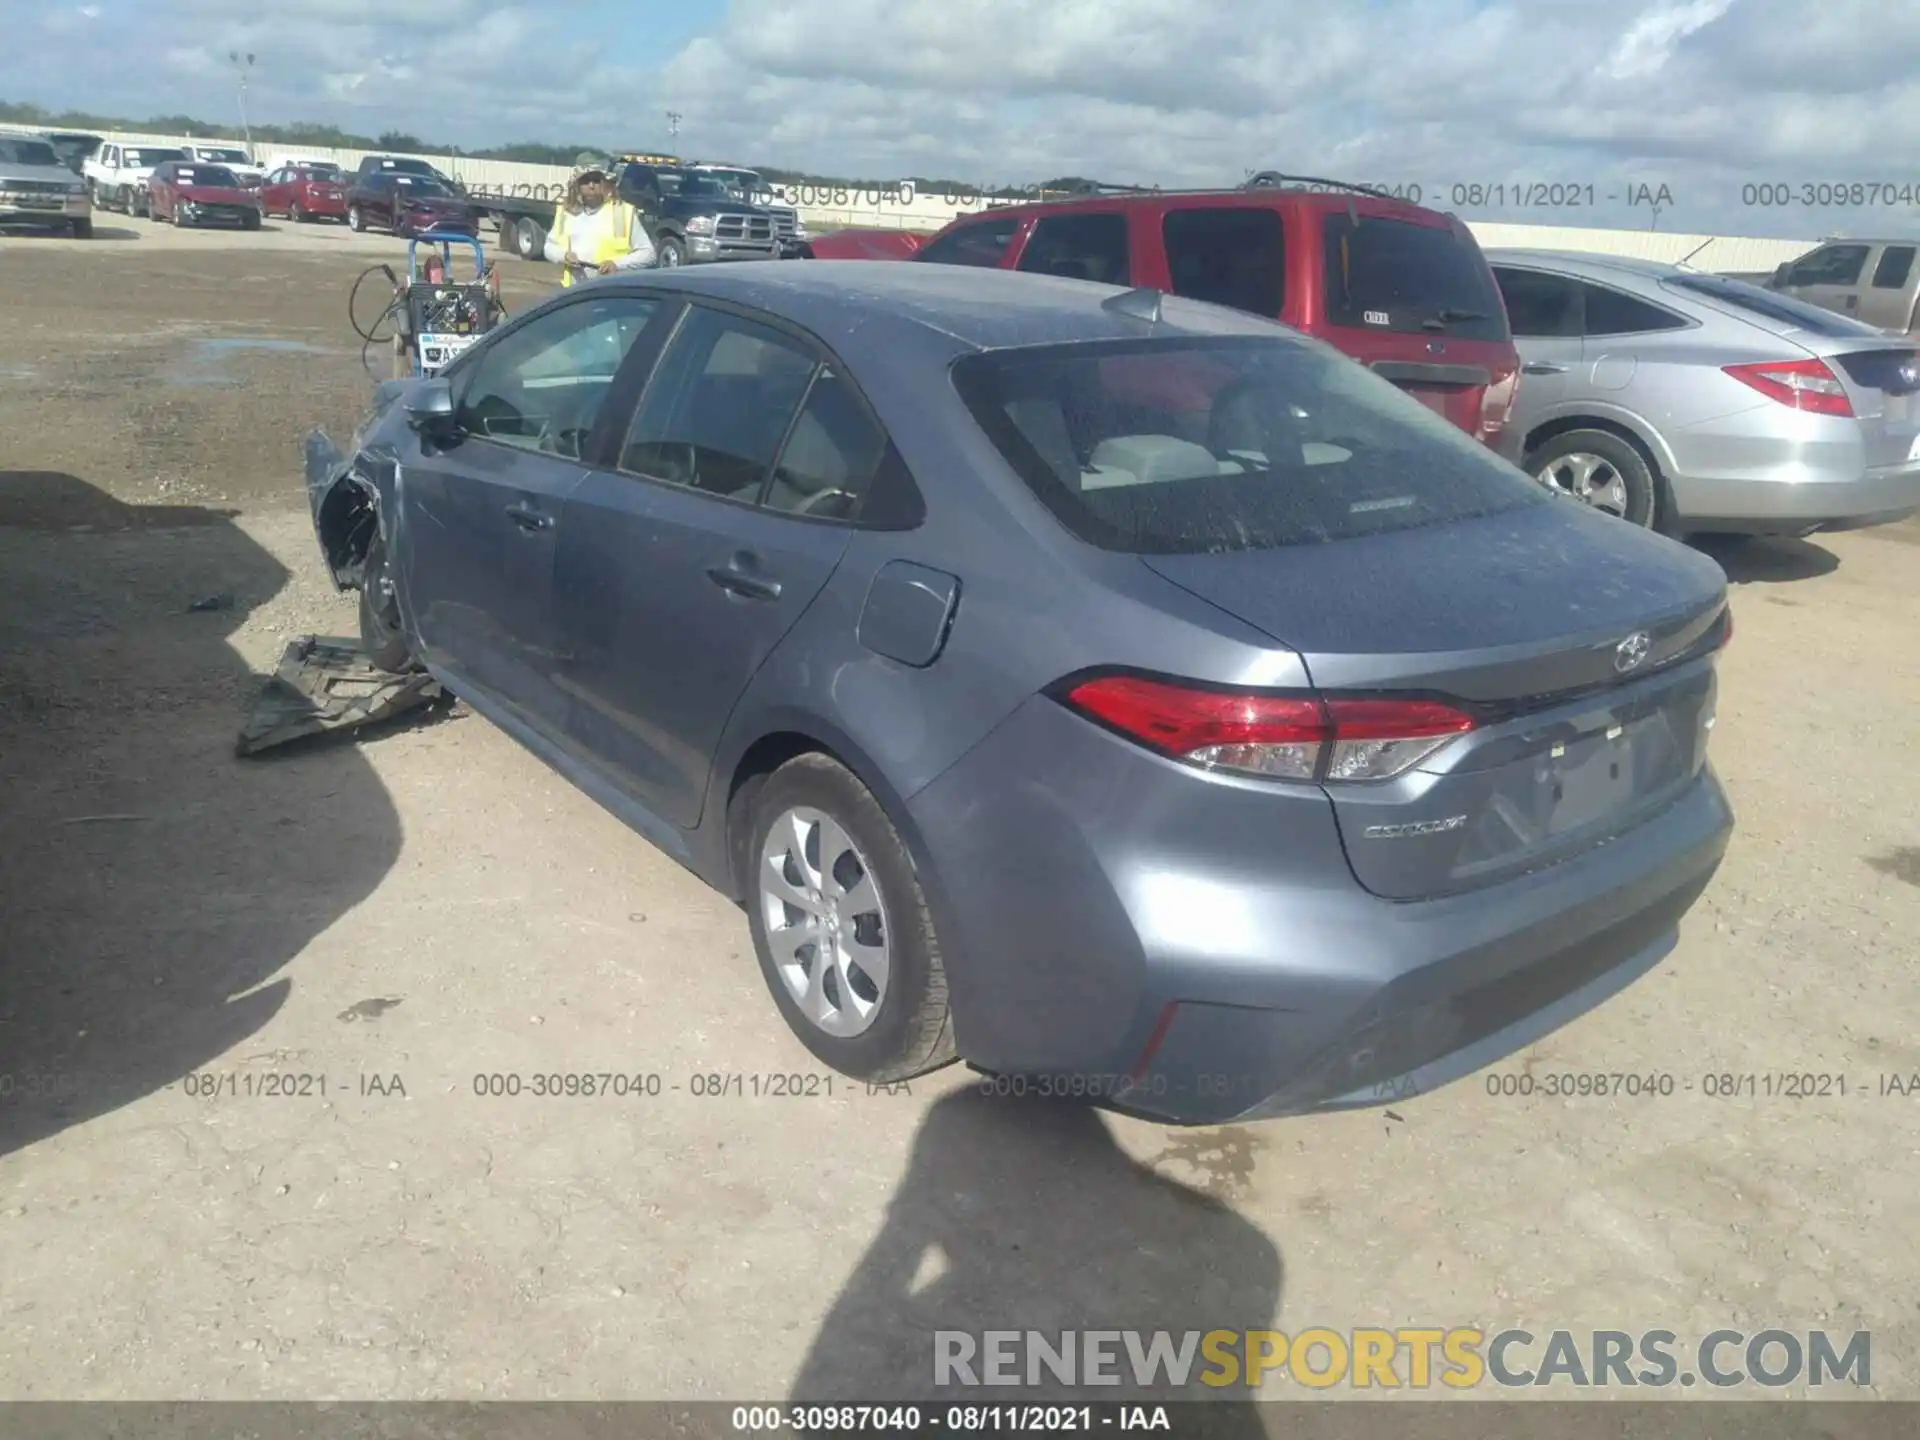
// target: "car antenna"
[[1682, 262], [1142, 304]]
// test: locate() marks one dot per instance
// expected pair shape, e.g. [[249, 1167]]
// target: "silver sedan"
[[1691, 402]]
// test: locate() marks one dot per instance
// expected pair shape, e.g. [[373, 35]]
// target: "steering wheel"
[[820, 497]]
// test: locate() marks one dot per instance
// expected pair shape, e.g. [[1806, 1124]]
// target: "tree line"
[[332, 137]]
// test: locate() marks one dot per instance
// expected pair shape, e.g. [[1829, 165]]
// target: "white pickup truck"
[[116, 174], [232, 156]]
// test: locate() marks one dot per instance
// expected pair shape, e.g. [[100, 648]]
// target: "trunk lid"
[[1527, 620], [1408, 293], [1881, 374]]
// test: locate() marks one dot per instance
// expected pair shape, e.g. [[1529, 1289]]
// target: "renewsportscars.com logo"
[[1458, 1358]]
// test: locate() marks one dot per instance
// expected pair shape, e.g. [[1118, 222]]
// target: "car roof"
[[1263, 197], [1586, 264], [862, 308]]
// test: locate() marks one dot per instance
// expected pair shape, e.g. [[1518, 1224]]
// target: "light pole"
[[243, 63], [673, 125]]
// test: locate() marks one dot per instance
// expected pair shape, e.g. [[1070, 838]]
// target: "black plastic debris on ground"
[[326, 684]]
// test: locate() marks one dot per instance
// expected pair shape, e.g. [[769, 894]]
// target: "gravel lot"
[[399, 916]]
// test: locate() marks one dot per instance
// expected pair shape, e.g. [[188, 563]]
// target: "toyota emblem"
[[1631, 653]]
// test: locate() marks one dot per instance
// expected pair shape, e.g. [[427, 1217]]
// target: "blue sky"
[[1539, 103]]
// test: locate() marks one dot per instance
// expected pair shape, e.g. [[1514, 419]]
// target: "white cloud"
[[1698, 94]]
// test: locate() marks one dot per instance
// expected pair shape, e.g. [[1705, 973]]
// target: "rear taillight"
[[1277, 737], [1801, 384], [1496, 405]]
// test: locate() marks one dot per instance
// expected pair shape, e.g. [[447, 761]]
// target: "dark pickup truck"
[[696, 219]]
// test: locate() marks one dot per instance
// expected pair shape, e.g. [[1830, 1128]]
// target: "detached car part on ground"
[[1343, 762], [1696, 403], [37, 189]]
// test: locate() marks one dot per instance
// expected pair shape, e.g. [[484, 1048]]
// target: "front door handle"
[[528, 518], [737, 581], [1542, 367]]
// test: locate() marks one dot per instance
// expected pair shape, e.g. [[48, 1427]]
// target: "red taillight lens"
[[1799, 384], [1282, 737], [1496, 405]]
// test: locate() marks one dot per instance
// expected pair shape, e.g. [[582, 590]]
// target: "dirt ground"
[[398, 917]]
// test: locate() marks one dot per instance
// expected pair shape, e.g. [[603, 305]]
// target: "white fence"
[[906, 206]]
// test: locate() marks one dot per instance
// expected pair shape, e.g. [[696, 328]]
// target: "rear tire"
[[1602, 470], [529, 238], [818, 828]]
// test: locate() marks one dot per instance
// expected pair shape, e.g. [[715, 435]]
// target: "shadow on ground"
[[1767, 560], [155, 886], [1024, 1215]]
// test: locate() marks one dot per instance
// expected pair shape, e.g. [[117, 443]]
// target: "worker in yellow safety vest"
[[593, 232]]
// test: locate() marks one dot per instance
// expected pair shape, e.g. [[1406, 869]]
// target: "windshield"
[[206, 175], [705, 186], [149, 156], [28, 152], [1399, 276], [224, 157], [1770, 305], [420, 185], [738, 179], [1199, 446]]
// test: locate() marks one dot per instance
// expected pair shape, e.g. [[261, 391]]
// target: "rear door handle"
[[1542, 367], [737, 581], [528, 518]]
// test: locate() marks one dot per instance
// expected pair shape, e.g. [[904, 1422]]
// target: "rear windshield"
[[206, 175], [1184, 446], [1782, 310], [150, 157], [224, 157], [1397, 275]]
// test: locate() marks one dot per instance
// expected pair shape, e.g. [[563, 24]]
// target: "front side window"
[[1539, 306], [718, 405], [1079, 247], [1182, 446], [1833, 265], [541, 387], [981, 242]]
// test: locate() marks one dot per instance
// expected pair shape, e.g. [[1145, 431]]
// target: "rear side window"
[[1539, 305], [718, 405], [1613, 312], [1396, 275], [1234, 256], [1183, 446], [983, 243], [1896, 264], [1079, 247]]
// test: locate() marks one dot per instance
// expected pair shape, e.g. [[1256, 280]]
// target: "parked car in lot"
[[1400, 288], [37, 189], [117, 174], [1332, 774], [1693, 402], [696, 219], [408, 204], [233, 157], [192, 193], [304, 192], [1873, 281], [73, 146], [371, 165]]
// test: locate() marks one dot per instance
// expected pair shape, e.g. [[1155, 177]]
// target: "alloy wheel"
[[1590, 479], [826, 922]]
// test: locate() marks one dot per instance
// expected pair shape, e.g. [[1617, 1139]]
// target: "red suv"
[[1403, 289]]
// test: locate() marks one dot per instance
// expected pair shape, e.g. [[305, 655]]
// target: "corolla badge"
[[1631, 653]]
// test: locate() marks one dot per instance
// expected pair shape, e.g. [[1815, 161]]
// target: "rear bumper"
[[1814, 500], [1197, 952]]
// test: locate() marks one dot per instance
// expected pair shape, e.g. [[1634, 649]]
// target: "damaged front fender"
[[343, 491]]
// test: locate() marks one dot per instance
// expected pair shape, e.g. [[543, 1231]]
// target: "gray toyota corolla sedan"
[[1126, 695]]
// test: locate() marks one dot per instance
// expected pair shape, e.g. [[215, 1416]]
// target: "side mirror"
[[430, 407]]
